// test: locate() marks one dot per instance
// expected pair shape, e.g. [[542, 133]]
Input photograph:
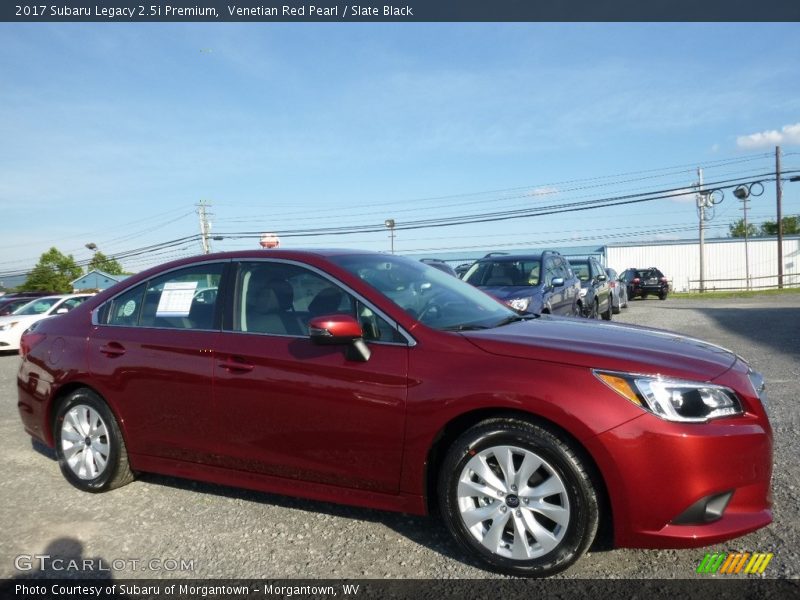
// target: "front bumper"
[[656, 471]]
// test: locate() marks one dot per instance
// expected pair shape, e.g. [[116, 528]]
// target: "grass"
[[735, 293]]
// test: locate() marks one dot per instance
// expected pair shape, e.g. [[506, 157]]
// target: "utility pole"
[[701, 213], [205, 226], [744, 202], [778, 200]]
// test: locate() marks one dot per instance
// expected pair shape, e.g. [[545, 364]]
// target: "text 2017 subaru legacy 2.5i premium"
[[378, 381]]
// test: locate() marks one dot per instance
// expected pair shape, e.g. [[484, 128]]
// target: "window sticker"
[[128, 308], [176, 299]]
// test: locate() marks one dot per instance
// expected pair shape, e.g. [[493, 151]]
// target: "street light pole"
[[390, 225]]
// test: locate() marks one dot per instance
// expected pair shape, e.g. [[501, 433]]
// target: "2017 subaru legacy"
[[374, 380]]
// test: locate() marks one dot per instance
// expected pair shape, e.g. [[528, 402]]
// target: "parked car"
[[11, 302], [619, 291], [462, 269], [9, 305], [373, 380], [532, 283], [643, 282], [12, 326], [439, 264], [595, 295]]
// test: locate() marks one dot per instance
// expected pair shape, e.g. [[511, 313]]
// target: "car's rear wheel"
[[662, 296], [518, 496], [89, 444]]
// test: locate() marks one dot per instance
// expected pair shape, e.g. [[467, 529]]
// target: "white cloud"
[[684, 195], [543, 191], [789, 134]]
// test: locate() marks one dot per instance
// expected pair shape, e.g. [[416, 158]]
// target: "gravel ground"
[[232, 533]]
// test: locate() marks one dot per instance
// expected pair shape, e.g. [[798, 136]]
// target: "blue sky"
[[111, 133]]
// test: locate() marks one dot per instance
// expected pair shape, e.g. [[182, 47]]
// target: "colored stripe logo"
[[735, 563]]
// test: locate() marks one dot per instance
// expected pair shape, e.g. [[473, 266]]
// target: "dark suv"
[[533, 283], [643, 282]]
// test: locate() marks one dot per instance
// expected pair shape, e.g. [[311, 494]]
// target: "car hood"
[[611, 346], [19, 318]]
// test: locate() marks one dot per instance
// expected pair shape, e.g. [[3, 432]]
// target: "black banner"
[[370, 589], [398, 11]]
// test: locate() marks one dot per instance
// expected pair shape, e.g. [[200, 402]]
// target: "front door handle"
[[236, 366], [113, 349]]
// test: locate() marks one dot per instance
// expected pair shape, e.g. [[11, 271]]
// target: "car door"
[[150, 357], [289, 408]]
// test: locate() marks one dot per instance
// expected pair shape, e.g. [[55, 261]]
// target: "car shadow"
[[777, 328], [63, 558], [429, 531]]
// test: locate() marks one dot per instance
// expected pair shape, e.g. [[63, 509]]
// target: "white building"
[[726, 263]]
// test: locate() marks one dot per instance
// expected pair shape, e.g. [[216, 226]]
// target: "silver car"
[[619, 291]]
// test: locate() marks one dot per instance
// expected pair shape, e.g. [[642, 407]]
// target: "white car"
[[13, 326]]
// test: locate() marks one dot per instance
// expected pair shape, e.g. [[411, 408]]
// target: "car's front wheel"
[[89, 444], [518, 496], [607, 313]]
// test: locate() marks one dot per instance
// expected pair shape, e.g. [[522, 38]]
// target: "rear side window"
[[182, 299]]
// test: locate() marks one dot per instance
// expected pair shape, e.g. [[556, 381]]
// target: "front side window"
[[71, 303], [181, 299], [280, 299]]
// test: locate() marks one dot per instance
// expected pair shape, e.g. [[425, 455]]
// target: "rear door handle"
[[113, 349], [236, 366]]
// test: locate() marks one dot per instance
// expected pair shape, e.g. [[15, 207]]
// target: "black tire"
[[105, 465], [561, 469], [607, 314], [595, 314], [618, 308], [662, 296]]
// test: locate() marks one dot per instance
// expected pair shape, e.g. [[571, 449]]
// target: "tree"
[[791, 226], [53, 273], [736, 229], [103, 263]]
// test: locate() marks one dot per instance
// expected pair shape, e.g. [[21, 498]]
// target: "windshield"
[[491, 273], [581, 270], [434, 298], [37, 307]]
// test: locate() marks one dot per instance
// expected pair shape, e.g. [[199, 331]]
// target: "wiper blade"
[[464, 327], [516, 319]]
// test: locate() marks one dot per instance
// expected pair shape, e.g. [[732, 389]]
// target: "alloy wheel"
[[513, 502], [85, 442]]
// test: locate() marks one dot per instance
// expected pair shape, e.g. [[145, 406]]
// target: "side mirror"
[[557, 282], [601, 278], [333, 330]]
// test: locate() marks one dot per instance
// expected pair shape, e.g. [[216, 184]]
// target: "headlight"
[[583, 292], [520, 304], [7, 326], [674, 399]]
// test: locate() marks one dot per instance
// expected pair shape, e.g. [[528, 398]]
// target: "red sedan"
[[378, 381]]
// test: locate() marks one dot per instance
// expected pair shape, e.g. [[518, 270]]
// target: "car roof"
[[514, 257]]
